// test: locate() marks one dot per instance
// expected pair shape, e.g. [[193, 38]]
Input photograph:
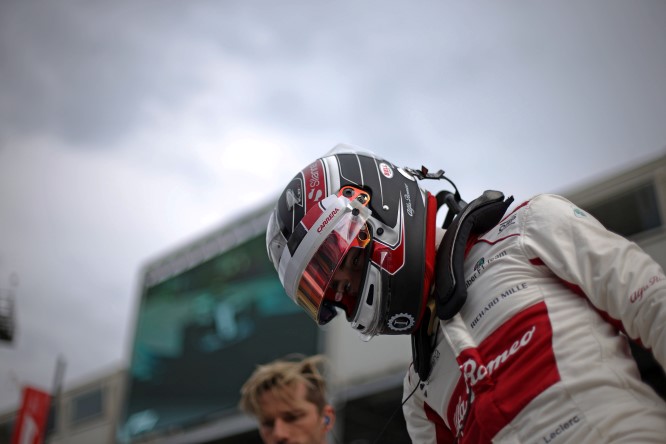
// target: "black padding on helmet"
[[478, 217]]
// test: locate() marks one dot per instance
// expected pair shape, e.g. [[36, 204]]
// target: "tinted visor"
[[334, 275]]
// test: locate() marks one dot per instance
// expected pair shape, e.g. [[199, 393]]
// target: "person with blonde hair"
[[288, 398]]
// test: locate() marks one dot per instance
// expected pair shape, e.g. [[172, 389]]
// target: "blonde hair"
[[280, 377]]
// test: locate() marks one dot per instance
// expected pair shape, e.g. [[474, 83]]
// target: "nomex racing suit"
[[535, 356]]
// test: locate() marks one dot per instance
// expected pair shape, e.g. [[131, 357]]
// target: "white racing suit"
[[535, 354]]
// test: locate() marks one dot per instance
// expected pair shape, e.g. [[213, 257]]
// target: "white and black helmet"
[[353, 232]]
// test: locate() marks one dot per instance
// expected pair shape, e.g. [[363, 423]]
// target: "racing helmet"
[[353, 233]]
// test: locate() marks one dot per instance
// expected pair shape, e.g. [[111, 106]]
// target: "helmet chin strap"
[[462, 221]]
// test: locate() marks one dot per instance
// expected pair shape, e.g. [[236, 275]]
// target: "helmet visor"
[[334, 275]]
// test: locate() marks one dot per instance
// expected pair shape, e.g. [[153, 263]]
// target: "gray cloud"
[[86, 71], [128, 128]]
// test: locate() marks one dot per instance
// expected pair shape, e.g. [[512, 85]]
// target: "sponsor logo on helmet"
[[314, 175], [327, 220], [314, 185], [401, 322], [408, 202], [386, 170]]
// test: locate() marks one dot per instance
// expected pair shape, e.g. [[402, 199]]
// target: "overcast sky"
[[129, 128]]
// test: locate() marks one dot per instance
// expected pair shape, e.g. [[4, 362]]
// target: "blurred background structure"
[[131, 131], [213, 309], [7, 310]]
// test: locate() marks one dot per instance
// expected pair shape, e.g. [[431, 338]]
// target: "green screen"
[[201, 333]]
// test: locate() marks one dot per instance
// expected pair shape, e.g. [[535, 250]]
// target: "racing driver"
[[519, 319]]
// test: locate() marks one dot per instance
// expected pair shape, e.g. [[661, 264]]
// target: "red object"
[[30, 425]]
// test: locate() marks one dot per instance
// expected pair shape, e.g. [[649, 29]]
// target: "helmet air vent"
[[371, 295]]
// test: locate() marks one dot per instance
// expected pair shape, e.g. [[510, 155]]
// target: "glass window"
[[87, 405], [201, 333], [631, 212]]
